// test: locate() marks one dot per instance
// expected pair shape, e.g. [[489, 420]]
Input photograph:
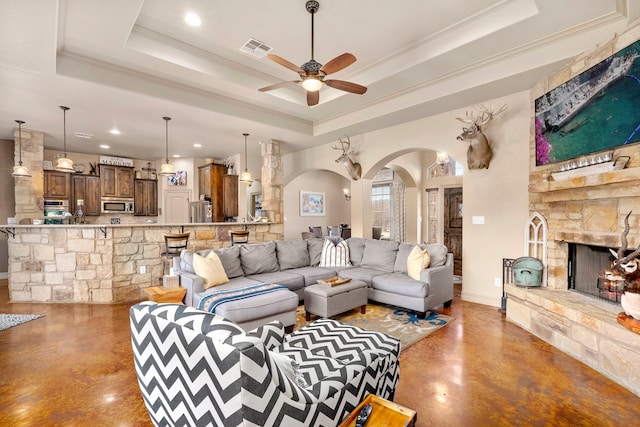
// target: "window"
[[382, 207]]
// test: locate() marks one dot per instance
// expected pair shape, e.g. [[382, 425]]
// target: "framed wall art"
[[595, 111], [312, 203], [180, 178]]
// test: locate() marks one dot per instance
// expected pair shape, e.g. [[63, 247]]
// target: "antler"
[[623, 239], [342, 145], [484, 116]]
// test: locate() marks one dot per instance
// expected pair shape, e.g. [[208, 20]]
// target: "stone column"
[[273, 185], [29, 197]]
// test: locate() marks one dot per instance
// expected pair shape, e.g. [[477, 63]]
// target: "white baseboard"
[[479, 299], [4, 275]]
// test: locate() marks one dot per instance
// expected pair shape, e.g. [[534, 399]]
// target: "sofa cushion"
[[258, 258], [313, 274], [292, 254], [365, 274], [400, 284], [417, 261], [210, 269], [438, 254], [379, 254], [230, 258], [356, 249], [335, 253], [315, 250], [291, 280], [401, 259]]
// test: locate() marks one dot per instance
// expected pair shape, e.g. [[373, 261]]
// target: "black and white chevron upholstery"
[[197, 369]]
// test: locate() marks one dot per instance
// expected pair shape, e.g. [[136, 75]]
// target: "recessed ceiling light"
[[175, 156], [192, 19], [114, 132], [197, 145], [105, 146], [83, 135]]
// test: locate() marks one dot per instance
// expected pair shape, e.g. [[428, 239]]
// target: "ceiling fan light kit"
[[312, 73]]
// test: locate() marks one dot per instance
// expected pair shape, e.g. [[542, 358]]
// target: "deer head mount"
[[479, 153], [354, 169], [625, 268]]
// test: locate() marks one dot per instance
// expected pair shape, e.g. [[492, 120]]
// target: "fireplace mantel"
[[624, 177]]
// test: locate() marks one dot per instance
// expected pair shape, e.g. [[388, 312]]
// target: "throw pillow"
[[417, 261], [210, 269], [335, 253]]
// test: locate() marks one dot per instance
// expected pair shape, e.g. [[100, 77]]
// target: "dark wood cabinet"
[[210, 185], [116, 181], [87, 188], [230, 196], [146, 197], [57, 185]]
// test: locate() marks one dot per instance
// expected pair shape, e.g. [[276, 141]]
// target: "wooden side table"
[[383, 413], [162, 294]]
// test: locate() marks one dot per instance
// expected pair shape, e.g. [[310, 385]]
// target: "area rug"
[[10, 320], [390, 320]]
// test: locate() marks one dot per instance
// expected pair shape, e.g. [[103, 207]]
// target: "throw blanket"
[[212, 301]]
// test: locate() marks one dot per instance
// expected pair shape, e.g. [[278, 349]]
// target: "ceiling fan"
[[312, 73]]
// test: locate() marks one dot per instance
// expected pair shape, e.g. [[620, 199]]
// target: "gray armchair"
[[196, 368]]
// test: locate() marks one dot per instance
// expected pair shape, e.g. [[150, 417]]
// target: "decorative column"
[[29, 196], [272, 176]]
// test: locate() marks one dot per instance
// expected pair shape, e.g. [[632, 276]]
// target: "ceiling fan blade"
[[313, 97], [346, 86], [285, 63], [278, 85], [338, 63]]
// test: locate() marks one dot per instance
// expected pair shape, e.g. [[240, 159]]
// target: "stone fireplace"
[[587, 210]]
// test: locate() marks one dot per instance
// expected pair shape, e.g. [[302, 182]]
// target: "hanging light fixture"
[[19, 170], [65, 164], [246, 175], [166, 169]]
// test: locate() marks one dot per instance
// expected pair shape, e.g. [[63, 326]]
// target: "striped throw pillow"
[[335, 253]]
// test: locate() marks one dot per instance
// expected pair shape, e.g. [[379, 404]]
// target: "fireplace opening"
[[586, 263]]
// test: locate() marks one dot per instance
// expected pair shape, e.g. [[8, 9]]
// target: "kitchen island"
[[104, 263]]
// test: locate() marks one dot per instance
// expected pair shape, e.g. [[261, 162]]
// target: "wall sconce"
[[347, 195], [442, 158]]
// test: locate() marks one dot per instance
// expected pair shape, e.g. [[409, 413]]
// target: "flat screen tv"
[[597, 110]]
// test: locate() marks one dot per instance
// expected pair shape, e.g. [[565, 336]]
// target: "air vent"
[[83, 135], [256, 48]]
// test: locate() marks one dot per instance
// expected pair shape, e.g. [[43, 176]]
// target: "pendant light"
[[19, 170], [166, 169], [245, 176], [65, 164]]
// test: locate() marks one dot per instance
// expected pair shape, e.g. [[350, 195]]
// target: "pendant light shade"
[[65, 164], [166, 169], [19, 170], [245, 176]]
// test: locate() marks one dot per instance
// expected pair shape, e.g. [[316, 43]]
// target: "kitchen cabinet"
[[210, 185], [57, 185], [230, 196], [146, 197], [87, 188], [116, 181]]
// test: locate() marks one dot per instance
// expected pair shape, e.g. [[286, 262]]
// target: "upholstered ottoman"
[[258, 310], [327, 301]]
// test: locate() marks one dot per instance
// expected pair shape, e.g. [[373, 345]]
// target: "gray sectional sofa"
[[295, 264]]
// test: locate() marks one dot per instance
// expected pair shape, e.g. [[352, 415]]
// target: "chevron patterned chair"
[[198, 369]]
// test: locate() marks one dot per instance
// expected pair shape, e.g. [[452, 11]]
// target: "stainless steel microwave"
[[116, 205]]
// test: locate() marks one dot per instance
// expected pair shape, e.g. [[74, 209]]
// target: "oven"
[[116, 205]]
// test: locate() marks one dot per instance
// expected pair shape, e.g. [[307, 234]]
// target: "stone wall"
[[29, 191], [80, 264], [588, 210]]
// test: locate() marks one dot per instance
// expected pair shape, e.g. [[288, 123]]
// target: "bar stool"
[[239, 236], [173, 245]]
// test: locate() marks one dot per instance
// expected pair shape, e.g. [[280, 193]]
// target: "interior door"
[[176, 206], [453, 225]]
